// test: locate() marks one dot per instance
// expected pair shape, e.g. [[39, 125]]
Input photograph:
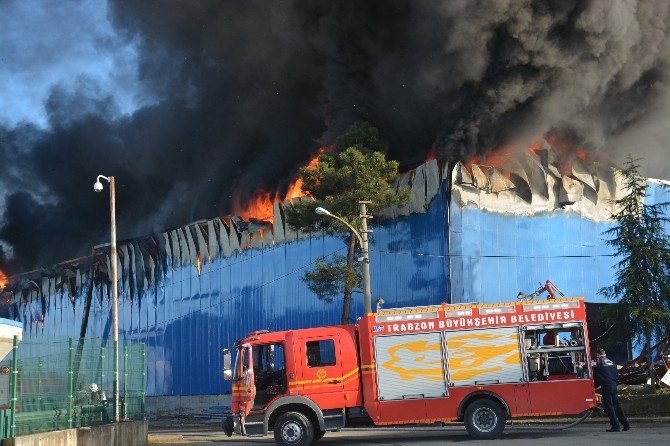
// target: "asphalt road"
[[592, 434]]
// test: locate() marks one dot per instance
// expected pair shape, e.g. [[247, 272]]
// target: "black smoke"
[[248, 90]]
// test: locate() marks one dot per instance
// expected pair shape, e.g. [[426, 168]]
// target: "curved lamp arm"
[[327, 213]]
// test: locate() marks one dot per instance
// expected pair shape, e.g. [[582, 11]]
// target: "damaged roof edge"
[[180, 246]]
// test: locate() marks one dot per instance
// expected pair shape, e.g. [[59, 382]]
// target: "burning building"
[[534, 215], [234, 95], [478, 231]]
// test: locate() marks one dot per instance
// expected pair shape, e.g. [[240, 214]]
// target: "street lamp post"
[[115, 297], [362, 238]]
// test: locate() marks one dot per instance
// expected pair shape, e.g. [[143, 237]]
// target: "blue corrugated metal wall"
[[186, 318], [494, 256]]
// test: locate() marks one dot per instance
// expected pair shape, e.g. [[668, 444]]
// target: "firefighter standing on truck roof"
[[604, 375]]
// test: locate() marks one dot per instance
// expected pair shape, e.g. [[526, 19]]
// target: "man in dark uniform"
[[604, 375]]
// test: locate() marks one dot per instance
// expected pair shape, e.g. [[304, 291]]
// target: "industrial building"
[[470, 233]]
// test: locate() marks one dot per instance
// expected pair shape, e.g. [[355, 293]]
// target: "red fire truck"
[[478, 363]]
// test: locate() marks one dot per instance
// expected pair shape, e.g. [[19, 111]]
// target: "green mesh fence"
[[63, 383]]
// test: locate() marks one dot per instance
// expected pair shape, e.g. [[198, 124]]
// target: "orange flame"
[[497, 158], [199, 264], [3, 279], [261, 206], [431, 156], [566, 153]]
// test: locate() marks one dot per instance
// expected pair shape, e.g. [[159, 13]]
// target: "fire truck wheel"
[[484, 419], [293, 429]]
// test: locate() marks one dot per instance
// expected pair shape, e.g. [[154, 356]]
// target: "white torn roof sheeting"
[[277, 223], [212, 239], [536, 185]]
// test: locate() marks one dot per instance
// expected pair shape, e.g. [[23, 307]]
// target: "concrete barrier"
[[645, 405], [129, 433]]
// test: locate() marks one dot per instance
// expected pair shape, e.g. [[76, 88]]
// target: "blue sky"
[[47, 44]]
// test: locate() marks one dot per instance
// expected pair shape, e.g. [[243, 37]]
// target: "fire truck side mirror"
[[227, 372]]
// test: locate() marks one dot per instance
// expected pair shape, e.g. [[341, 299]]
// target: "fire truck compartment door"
[[410, 366], [483, 357]]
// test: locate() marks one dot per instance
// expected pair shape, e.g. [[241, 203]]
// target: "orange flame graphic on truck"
[[467, 360], [416, 365]]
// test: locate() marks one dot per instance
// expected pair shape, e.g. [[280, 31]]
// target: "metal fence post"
[[102, 376], [102, 367], [12, 386], [70, 382], [39, 383], [125, 380], [144, 380]]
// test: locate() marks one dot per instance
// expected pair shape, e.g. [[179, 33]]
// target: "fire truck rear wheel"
[[484, 419], [293, 429]]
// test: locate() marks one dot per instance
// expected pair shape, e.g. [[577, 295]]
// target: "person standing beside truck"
[[605, 376]]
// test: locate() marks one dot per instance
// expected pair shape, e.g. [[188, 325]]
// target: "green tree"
[[356, 170], [642, 286]]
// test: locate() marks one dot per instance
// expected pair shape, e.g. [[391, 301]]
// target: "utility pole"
[[115, 292], [362, 238], [367, 293], [115, 296]]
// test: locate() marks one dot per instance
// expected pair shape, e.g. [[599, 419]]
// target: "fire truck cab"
[[478, 363]]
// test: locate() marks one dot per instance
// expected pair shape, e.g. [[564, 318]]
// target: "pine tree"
[[356, 170], [642, 286]]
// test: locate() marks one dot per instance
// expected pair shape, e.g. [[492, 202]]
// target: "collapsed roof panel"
[[462, 175], [193, 251], [538, 185], [224, 237], [570, 192], [277, 223], [580, 171], [289, 233], [122, 253], [479, 178], [132, 271], [176, 248], [202, 244], [417, 200], [152, 276], [140, 273], [432, 181], [234, 239], [404, 181], [184, 254], [535, 174], [245, 239], [213, 239], [497, 180]]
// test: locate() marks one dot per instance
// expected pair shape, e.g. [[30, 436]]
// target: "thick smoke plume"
[[243, 92]]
